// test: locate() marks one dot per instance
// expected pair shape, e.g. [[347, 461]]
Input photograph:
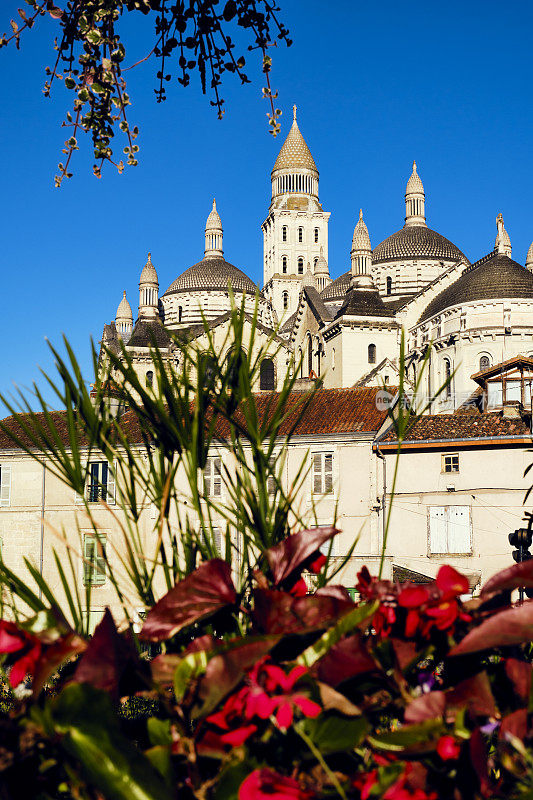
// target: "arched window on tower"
[[300, 266], [284, 233], [309, 354], [284, 264], [266, 375], [448, 378], [371, 353], [484, 363], [285, 299], [316, 235], [389, 285], [315, 261], [300, 234]]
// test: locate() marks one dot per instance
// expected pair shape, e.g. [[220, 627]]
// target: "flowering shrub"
[[410, 693]]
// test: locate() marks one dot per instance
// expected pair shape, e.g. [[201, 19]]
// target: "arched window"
[[149, 378], [316, 235], [448, 378], [300, 234], [484, 363], [180, 313], [285, 298], [309, 354], [266, 375], [300, 266], [389, 285], [284, 264], [284, 233], [333, 358], [315, 262], [371, 353], [301, 361]]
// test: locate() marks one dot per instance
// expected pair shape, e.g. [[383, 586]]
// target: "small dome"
[[213, 221], [529, 257], [149, 274], [414, 184], [309, 279], [416, 242], [494, 279], [212, 274], [294, 152], [337, 289], [321, 266], [361, 239], [124, 311]]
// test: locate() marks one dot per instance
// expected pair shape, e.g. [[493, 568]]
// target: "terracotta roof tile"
[[450, 427]]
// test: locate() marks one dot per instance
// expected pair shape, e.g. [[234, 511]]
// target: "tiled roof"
[[294, 152], [452, 427], [212, 273], [502, 366], [332, 411], [416, 241], [147, 333], [364, 303], [337, 289], [317, 303], [490, 278]]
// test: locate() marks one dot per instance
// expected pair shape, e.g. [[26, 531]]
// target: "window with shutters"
[[5, 485], [322, 473], [94, 559], [213, 477], [450, 530], [100, 483]]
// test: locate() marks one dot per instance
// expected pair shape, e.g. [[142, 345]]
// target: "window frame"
[[94, 566], [300, 265], [372, 353], [5, 485], [210, 481], [284, 232], [317, 235], [300, 235], [453, 457]]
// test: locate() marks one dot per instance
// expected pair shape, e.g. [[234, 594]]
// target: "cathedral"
[[347, 329]]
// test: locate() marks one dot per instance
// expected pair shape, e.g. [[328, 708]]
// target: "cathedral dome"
[[337, 289], [495, 278], [212, 274], [416, 241]]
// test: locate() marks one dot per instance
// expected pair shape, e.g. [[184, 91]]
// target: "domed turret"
[[503, 240], [148, 291], [309, 279], [361, 253], [295, 171], [213, 234], [529, 258], [415, 200], [322, 277], [124, 318]]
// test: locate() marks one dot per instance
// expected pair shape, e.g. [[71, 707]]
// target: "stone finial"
[[294, 113], [529, 258], [503, 240]]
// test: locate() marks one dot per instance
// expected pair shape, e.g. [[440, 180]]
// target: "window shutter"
[[217, 539], [459, 529], [93, 482], [271, 481], [5, 485], [111, 486], [89, 555], [437, 529], [317, 473], [217, 477], [207, 477], [100, 563], [103, 480], [328, 472]]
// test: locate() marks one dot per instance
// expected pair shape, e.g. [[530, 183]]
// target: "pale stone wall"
[[350, 361], [408, 276]]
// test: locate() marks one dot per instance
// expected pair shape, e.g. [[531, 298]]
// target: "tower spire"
[[415, 200], [361, 252], [294, 112], [213, 234]]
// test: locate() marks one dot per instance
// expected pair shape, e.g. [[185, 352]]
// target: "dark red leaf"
[[511, 626], [510, 578], [475, 693], [346, 659], [288, 555], [163, 668], [338, 592], [108, 656], [519, 673], [201, 594], [405, 651], [280, 612], [427, 706], [515, 724], [53, 656], [480, 760]]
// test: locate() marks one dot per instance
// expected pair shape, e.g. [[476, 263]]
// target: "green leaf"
[[161, 758], [190, 667], [333, 733], [420, 738], [231, 779], [85, 720], [159, 731]]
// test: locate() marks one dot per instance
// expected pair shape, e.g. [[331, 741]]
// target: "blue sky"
[[450, 84]]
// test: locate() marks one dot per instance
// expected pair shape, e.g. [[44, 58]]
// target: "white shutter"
[[217, 477], [271, 481], [5, 485], [217, 539], [328, 472], [111, 486], [317, 473], [459, 529], [437, 529]]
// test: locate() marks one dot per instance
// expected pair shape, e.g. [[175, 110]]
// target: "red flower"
[[448, 748], [265, 784], [230, 719], [299, 589], [274, 678], [451, 583], [317, 563], [15, 640], [400, 789]]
